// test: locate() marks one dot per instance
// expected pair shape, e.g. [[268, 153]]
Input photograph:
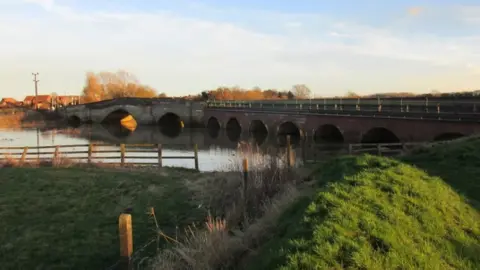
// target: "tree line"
[[109, 85]]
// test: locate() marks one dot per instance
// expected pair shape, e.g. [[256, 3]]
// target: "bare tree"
[[301, 91]]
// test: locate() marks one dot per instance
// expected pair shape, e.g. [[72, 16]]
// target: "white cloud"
[[174, 53]]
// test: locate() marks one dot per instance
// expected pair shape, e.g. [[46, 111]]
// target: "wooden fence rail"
[[91, 152], [381, 149]]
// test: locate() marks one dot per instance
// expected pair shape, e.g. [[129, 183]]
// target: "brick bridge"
[[402, 121], [328, 120]]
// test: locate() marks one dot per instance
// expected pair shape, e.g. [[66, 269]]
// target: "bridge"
[[145, 111], [326, 120], [349, 120]]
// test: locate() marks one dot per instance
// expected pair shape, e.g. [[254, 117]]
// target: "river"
[[216, 151]]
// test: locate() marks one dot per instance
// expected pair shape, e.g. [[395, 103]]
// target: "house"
[[43, 101], [28, 100], [8, 102]]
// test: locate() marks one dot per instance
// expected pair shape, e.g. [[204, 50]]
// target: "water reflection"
[[217, 148]]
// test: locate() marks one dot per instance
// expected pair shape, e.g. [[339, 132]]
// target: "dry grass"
[[244, 219], [9, 161]]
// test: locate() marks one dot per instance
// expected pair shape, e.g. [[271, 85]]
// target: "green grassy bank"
[[66, 218], [417, 212]]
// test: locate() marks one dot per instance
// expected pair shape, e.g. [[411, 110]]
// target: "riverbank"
[[418, 212], [65, 217], [358, 212], [28, 119]]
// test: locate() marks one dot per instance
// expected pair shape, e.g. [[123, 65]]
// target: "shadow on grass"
[[375, 213], [456, 162], [67, 218]]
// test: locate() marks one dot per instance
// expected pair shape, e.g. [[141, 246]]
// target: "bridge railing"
[[405, 106], [110, 154]]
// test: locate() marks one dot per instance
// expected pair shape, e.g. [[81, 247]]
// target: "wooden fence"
[[320, 152], [115, 154], [152, 154]]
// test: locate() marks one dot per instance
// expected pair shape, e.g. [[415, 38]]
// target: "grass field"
[[420, 212], [66, 218], [417, 212]]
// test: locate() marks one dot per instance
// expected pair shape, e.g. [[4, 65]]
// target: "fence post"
[[304, 155], [379, 149], [90, 151], [195, 152], [126, 240], [24, 155], [289, 152], [122, 154], [350, 149], [55, 155], [245, 178], [159, 148], [245, 188]]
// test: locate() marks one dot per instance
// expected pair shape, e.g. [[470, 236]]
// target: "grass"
[[66, 218], [378, 213], [353, 212]]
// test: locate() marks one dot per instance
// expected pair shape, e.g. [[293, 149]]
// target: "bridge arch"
[[380, 135], [289, 128], [259, 131], [74, 121], [122, 117], [170, 124], [170, 120], [328, 134], [448, 136], [213, 127], [234, 129]]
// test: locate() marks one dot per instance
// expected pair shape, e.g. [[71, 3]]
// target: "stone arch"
[[380, 135], [289, 129], [116, 116], [233, 124], [448, 136], [74, 121], [170, 120], [234, 129], [213, 123], [259, 131], [328, 134], [170, 124], [213, 127]]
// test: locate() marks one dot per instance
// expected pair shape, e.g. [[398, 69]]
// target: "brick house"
[[8, 102], [28, 100], [42, 101]]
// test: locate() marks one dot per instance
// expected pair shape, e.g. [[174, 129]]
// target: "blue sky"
[[183, 47]]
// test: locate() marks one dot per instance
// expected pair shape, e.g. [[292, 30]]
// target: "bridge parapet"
[[146, 111], [411, 104]]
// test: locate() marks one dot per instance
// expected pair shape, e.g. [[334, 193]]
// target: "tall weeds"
[[244, 218]]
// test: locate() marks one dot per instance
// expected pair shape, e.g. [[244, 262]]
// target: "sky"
[[183, 47]]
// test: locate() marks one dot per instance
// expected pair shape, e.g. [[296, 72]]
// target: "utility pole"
[[36, 89]]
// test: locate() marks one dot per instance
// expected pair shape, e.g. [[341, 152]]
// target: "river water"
[[216, 151]]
